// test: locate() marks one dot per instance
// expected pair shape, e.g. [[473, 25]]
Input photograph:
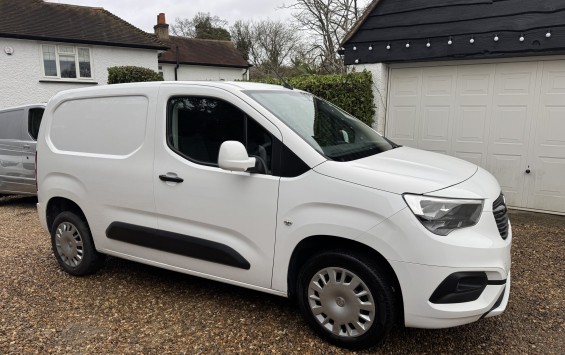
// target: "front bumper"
[[422, 261], [418, 282]]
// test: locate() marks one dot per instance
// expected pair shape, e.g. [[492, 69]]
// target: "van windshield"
[[328, 129]]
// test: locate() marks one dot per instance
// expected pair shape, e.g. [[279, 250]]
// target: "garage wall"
[[508, 117], [379, 72]]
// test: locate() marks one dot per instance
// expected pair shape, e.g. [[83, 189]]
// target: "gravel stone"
[[133, 308]]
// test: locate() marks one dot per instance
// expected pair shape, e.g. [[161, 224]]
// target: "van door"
[[214, 222], [30, 129], [11, 151]]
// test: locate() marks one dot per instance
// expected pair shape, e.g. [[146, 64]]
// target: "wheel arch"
[[56, 205], [318, 243]]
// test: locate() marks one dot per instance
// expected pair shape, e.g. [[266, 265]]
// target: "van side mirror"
[[233, 156]]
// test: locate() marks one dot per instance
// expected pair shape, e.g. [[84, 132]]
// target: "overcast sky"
[[143, 13]]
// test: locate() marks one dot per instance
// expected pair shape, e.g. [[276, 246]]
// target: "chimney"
[[161, 28]]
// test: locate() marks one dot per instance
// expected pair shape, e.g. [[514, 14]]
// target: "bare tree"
[[267, 44], [203, 26], [327, 21]]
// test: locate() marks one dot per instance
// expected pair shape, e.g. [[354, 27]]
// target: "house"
[[198, 59], [49, 47], [483, 80]]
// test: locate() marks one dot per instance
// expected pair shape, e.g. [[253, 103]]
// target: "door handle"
[[27, 146], [171, 178]]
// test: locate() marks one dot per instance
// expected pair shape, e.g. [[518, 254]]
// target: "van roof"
[[129, 87], [3, 109], [233, 85]]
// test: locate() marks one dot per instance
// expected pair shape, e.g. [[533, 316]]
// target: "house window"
[[66, 62]]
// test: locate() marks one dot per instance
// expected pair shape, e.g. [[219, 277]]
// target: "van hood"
[[401, 170]]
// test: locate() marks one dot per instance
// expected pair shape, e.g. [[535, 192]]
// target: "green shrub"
[[131, 74], [352, 92]]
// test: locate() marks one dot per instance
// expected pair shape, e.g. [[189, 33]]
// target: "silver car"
[[18, 134]]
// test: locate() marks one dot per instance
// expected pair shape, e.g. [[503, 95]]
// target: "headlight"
[[441, 216]]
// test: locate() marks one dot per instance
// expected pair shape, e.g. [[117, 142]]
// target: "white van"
[[19, 127], [275, 190]]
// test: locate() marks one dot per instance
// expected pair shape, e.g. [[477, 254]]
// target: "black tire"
[[340, 300], [73, 246]]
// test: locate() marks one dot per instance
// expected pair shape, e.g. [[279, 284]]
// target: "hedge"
[[131, 74], [352, 92]]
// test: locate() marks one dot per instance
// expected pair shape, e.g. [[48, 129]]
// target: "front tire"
[[73, 246], [346, 299]]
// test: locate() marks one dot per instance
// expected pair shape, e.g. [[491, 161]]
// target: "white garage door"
[[506, 117]]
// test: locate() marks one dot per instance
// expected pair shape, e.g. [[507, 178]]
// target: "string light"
[[496, 38]]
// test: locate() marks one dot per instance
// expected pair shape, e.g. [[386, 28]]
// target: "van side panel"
[[89, 125], [97, 148]]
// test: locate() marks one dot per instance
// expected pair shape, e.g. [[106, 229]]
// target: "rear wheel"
[[73, 247], [347, 300]]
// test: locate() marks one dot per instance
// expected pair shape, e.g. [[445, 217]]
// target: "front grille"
[[501, 216]]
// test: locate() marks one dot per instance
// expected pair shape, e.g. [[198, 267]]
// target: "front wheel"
[[73, 246], [346, 299]]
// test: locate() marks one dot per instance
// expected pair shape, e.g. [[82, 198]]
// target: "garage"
[[508, 118], [482, 80]]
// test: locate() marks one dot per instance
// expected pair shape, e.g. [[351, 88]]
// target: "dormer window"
[[66, 62]]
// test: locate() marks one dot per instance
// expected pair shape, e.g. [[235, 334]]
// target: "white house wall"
[[379, 72], [21, 72], [200, 72]]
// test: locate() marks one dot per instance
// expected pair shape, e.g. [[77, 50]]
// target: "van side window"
[[34, 120], [197, 126]]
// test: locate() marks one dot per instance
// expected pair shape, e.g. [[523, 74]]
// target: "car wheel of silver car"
[[347, 301], [73, 246]]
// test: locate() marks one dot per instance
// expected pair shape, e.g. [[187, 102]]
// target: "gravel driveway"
[[132, 308]]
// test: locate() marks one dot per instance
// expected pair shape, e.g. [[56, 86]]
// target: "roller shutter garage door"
[[508, 118]]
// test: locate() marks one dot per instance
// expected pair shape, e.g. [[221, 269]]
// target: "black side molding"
[[177, 244]]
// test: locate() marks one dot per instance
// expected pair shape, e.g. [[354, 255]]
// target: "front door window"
[[197, 126]]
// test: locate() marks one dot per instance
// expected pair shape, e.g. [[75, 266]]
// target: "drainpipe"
[[245, 74], [178, 65]]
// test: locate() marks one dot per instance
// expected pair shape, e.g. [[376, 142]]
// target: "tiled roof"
[[35, 19], [203, 52]]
